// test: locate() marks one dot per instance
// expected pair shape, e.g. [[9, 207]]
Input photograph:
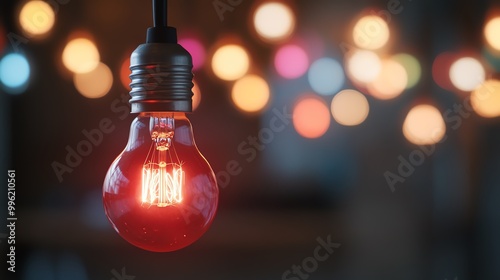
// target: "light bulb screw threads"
[[161, 78]]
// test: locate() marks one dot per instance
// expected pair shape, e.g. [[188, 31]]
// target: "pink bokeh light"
[[291, 61], [196, 49]]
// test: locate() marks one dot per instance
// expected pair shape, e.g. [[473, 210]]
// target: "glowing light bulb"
[[160, 194]]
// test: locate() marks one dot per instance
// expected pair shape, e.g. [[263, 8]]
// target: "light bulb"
[[160, 194]]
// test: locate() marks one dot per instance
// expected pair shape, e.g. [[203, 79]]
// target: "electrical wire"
[[160, 13]]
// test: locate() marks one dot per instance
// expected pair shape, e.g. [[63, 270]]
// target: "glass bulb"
[[160, 194]]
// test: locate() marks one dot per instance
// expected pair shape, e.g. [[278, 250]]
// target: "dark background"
[[443, 222]]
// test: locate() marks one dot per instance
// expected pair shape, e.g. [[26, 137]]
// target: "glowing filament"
[[162, 187], [162, 174]]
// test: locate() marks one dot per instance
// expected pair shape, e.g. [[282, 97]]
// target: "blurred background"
[[370, 124]]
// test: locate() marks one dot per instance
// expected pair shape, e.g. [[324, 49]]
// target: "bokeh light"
[[441, 69], [196, 49], [363, 66], [80, 56], [311, 117], [230, 62], [250, 93], [412, 67], [486, 99], [291, 61], [274, 21], [196, 95], [467, 73], [14, 72], [350, 107], [491, 33], [391, 81], [424, 125], [371, 32], [125, 73], [36, 17], [326, 76], [96, 83]]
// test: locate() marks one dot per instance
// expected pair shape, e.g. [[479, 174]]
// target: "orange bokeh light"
[[311, 117]]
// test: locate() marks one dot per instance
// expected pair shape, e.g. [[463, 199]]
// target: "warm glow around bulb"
[[274, 21], [251, 93], [486, 99], [311, 117], [230, 62], [467, 73], [491, 33], [80, 56], [96, 83], [371, 32], [363, 66], [391, 81], [424, 125], [350, 107], [37, 17]]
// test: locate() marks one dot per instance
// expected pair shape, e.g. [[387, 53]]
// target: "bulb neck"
[[141, 129]]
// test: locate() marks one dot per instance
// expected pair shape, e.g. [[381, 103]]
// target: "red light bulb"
[[160, 194]]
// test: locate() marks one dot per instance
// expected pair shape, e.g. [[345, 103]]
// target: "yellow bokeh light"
[[491, 33], [274, 21], [363, 66], [96, 83], [311, 117], [36, 17], [251, 93], [80, 56], [350, 107], [486, 99], [371, 32], [424, 125], [230, 62], [467, 73], [196, 96], [391, 81]]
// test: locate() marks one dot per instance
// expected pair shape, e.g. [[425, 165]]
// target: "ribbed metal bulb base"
[[161, 79]]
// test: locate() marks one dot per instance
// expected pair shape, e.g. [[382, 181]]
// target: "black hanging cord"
[[161, 32], [160, 13]]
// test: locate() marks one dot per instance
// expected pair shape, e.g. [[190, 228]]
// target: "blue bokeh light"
[[326, 76], [14, 72]]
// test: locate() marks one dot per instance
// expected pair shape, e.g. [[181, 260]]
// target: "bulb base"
[[161, 79]]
